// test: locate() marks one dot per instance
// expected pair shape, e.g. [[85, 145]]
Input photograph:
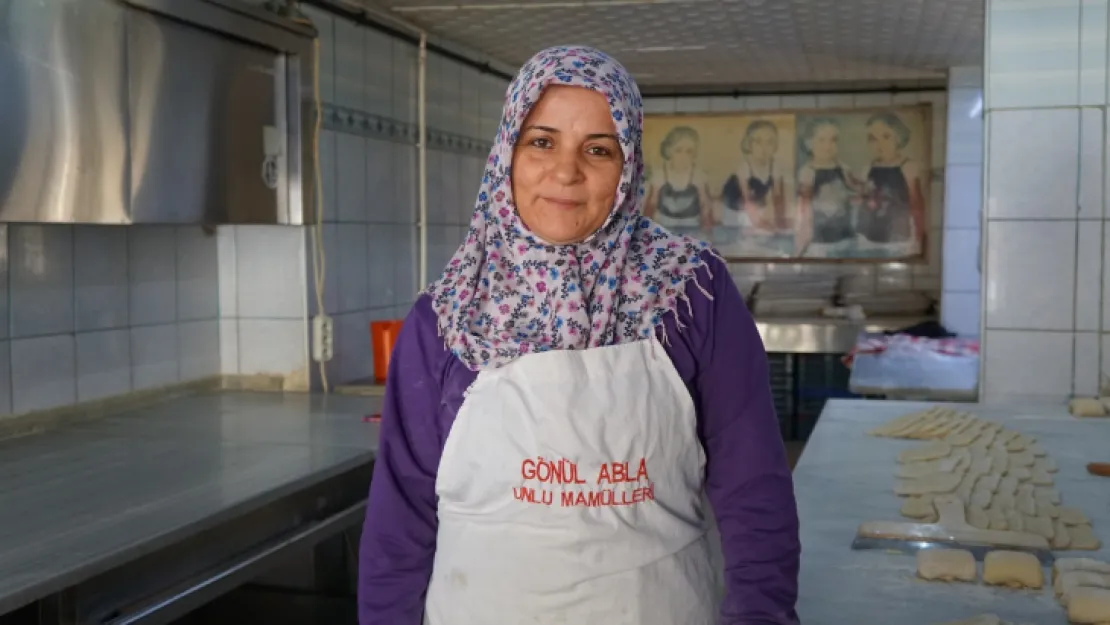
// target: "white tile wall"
[[963, 199], [95, 311], [862, 277], [370, 185], [87, 312], [1045, 266]]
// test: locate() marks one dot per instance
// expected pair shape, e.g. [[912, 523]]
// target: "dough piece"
[[977, 517], [1021, 473], [1024, 501], [920, 507], [1063, 565], [1086, 407], [1041, 478], [927, 429], [1051, 495], [1089, 605], [981, 465], [1061, 538], [905, 421], [933, 483], [1008, 485], [1047, 509], [989, 482], [1021, 458], [966, 486], [1044, 464], [1000, 459], [919, 469], [1015, 569], [1015, 521], [997, 518], [1083, 538], [1042, 526], [1073, 516], [1037, 450], [946, 565], [1070, 580], [982, 619], [1005, 436], [965, 435], [980, 497], [957, 423], [1019, 443], [931, 451]]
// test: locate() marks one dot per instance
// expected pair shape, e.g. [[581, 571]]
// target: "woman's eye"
[[541, 142], [597, 150]]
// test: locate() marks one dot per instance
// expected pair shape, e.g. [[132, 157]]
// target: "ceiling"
[[725, 45]]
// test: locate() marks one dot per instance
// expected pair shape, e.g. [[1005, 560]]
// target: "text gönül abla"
[[610, 478]]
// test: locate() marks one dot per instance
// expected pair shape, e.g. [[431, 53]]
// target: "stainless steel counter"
[[87, 498], [845, 477], [821, 335]]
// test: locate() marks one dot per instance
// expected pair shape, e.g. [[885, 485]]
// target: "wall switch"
[[271, 141], [323, 338]]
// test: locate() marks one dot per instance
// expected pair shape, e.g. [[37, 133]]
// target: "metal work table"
[[823, 335], [845, 477], [114, 520]]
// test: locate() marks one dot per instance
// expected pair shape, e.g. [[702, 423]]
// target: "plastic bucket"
[[383, 334]]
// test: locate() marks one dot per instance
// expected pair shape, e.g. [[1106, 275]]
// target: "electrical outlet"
[[323, 338]]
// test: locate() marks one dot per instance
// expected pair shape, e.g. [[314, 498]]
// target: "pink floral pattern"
[[505, 293]]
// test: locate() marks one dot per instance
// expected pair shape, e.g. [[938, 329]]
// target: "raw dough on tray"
[[1089, 605], [1016, 569], [946, 565], [932, 483], [1086, 407], [1083, 538], [932, 451], [921, 508], [1073, 516], [1063, 565]]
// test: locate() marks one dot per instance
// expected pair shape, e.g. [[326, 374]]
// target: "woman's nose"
[[566, 169]]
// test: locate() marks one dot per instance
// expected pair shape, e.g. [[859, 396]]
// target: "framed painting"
[[823, 185]]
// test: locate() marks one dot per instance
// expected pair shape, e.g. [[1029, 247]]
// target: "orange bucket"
[[383, 334]]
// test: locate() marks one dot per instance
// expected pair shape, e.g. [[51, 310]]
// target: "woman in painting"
[[757, 186], [894, 211], [826, 193], [677, 194]]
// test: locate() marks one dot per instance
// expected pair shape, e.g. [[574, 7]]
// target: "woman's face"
[[566, 165], [883, 142], [825, 143], [682, 153], [764, 144]]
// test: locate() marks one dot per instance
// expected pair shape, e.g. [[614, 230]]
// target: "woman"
[[895, 210], [678, 194], [561, 402], [757, 186], [826, 192]]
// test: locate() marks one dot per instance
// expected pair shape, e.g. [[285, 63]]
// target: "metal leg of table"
[[795, 417], [59, 609]]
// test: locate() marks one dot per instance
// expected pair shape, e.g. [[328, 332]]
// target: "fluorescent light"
[[667, 49]]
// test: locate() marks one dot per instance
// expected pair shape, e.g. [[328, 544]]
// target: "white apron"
[[571, 492]]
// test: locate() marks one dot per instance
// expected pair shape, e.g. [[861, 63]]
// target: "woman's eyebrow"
[[597, 135]]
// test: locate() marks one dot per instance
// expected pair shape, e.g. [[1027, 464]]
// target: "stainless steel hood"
[[154, 111]]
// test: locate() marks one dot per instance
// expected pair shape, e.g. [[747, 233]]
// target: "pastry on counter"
[[946, 565], [1016, 569]]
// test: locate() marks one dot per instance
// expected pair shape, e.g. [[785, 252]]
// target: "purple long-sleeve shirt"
[[719, 355]]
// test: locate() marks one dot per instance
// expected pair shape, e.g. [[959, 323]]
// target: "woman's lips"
[[562, 203]]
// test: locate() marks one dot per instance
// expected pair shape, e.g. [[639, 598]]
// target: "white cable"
[[319, 259]]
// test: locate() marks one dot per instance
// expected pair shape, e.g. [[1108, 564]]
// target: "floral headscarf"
[[505, 293]]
